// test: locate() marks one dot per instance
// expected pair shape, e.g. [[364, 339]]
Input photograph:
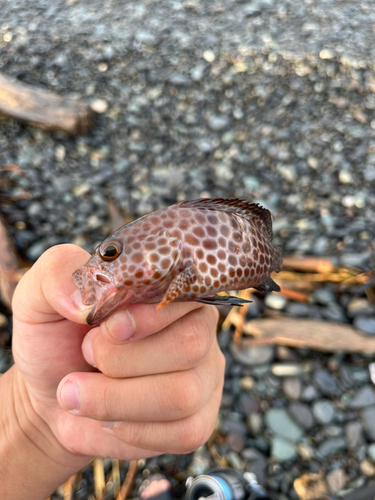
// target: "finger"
[[44, 293], [178, 436], [180, 346], [140, 320], [159, 397]]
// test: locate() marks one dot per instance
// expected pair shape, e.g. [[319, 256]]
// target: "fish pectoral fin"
[[224, 300], [268, 285], [176, 287]]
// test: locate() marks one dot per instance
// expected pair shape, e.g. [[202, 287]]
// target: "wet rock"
[[236, 441], [292, 387], [360, 306], [252, 355], [324, 411], [327, 384], [280, 423], [309, 393], [353, 434], [336, 480], [282, 449], [365, 324], [302, 415], [371, 451], [331, 447], [274, 301], [365, 396], [368, 421], [286, 369], [255, 423]]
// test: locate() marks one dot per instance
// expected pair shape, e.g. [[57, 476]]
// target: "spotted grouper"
[[189, 251]]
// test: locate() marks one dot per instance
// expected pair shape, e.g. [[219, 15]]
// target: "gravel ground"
[[270, 101]]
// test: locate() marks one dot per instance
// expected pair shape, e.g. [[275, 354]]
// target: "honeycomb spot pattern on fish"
[[194, 249]]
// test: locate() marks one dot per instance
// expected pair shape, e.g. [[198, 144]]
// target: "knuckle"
[[199, 339], [193, 434], [185, 395]]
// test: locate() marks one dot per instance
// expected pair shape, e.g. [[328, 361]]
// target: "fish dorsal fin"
[[253, 212]]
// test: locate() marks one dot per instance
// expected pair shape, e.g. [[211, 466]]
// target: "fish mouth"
[[98, 289]]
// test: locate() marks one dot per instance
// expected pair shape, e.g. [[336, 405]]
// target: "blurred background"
[[271, 101]]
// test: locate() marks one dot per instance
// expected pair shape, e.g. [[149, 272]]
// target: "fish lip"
[[98, 289]]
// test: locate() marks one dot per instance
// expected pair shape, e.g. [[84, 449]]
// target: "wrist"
[[32, 461]]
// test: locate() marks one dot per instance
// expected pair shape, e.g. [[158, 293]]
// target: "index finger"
[[140, 320]]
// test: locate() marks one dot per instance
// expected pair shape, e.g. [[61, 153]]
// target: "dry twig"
[[99, 479], [129, 480], [42, 108]]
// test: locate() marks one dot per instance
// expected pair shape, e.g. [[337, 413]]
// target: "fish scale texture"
[[188, 251]]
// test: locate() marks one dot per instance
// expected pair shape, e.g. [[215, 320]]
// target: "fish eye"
[[110, 252]]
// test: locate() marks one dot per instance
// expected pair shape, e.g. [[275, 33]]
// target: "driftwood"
[[9, 267], [43, 108], [310, 334]]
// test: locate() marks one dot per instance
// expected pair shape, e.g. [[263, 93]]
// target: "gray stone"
[[365, 324], [353, 434], [252, 355], [309, 393], [326, 383], [336, 480], [218, 122], [371, 451], [324, 411], [302, 415], [292, 387], [282, 449], [365, 396], [331, 447], [368, 421], [280, 423]]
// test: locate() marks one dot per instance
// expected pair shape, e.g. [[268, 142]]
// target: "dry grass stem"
[[129, 480]]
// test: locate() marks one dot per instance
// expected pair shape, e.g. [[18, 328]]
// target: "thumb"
[[47, 291]]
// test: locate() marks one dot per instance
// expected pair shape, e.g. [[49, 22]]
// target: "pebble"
[[326, 383], [368, 421], [336, 480], [286, 369], [274, 301], [209, 56], [99, 106], [365, 324], [353, 434], [371, 368], [280, 423], [365, 396], [324, 411], [236, 441], [371, 451], [309, 393], [359, 306], [292, 387], [282, 449], [218, 122], [302, 415], [255, 423], [367, 468], [252, 355], [331, 447]]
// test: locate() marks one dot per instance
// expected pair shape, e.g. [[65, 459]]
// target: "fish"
[[192, 250]]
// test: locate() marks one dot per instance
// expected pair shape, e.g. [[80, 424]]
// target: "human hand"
[[162, 389]]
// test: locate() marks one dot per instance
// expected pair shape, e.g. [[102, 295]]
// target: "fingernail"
[[121, 326], [70, 395], [87, 350], [77, 299], [106, 425]]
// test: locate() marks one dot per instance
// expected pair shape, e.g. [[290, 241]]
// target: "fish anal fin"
[[177, 286], [251, 211], [268, 285], [222, 300]]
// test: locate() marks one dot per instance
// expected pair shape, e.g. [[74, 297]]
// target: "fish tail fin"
[[278, 258]]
